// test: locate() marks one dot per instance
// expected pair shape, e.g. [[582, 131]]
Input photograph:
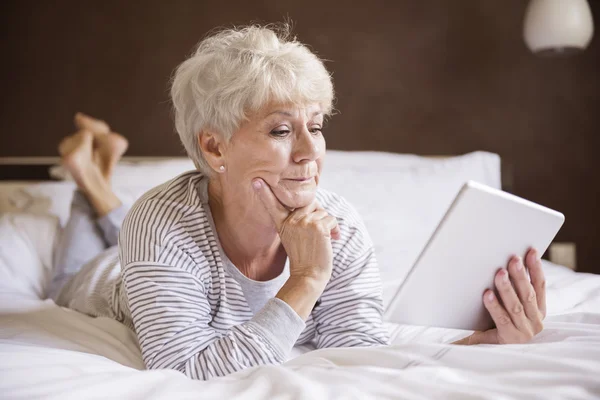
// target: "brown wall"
[[428, 76]]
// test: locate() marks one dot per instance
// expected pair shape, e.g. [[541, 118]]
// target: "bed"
[[50, 352]]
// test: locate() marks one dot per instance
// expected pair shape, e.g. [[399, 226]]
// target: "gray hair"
[[236, 72]]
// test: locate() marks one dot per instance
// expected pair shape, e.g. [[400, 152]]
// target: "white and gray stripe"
[[190, 313]]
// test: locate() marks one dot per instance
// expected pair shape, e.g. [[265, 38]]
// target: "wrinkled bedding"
[[51, 352]]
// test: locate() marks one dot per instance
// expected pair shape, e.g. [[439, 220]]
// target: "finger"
[[524, 289], [499, 315], [320, 214], [83, 121], [329, 223], [538, 280], [335, 232], [317, 215], [276, 210], [511, 301], [302, 213]]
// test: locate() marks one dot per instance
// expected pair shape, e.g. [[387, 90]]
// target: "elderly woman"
[[229, 266]]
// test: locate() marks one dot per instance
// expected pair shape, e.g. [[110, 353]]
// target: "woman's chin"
[[296, 198]]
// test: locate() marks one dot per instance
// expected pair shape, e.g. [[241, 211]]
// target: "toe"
[[83, 121]]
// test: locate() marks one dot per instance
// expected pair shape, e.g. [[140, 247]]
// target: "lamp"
[[557, 27]]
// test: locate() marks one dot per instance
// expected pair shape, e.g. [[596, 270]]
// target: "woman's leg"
[[80, 241], [96, 212]]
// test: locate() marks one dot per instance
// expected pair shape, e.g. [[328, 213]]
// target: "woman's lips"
[[301, 179]]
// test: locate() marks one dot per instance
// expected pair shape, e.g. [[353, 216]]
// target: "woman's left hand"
[[519, 315]]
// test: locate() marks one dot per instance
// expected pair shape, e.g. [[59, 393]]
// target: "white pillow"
[[26, 249], [54, 198], [50, 198], [401, 197], [402, 205], [149, 173]]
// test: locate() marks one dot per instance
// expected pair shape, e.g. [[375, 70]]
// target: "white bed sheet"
[[50, 352]]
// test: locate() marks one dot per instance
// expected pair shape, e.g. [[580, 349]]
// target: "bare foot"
[[108, 146], [108, 149], [83, 121], [77, 153], [77, 156]]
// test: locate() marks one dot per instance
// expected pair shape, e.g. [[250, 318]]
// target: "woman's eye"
[[316, 129], [280, 132]]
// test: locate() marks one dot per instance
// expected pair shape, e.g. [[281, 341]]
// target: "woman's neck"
[[247, 235]]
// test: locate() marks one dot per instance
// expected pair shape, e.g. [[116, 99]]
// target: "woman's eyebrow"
[[286, 113], [289, 114]]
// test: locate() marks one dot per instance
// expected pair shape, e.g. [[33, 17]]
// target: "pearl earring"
[[222, 168]]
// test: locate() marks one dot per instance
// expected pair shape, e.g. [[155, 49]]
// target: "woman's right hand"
[[305, 233]]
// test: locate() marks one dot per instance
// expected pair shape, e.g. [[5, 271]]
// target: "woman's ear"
[[212, 146]]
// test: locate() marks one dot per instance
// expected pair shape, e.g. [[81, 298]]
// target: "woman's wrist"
[[474, 338], [465, 341], [301, 294]]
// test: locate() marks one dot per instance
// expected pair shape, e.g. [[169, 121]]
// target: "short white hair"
[[236, 72]]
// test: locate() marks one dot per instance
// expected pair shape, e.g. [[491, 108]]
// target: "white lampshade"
[[558, 26]]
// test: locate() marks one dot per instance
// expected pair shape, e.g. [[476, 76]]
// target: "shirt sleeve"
[[350, 310], [172, 316]]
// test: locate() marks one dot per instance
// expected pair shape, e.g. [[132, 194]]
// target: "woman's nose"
[[306, 147]]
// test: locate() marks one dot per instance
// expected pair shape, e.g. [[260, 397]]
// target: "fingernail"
[[490, 296], [519, 262], [504, 276], [256, 184], [536, 255]]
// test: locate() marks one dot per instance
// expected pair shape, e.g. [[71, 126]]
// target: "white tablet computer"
[[479, 233]]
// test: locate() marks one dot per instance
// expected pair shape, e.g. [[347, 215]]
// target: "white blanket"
[[50, 352]]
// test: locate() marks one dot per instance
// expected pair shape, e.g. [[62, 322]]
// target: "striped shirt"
[[188, 304]]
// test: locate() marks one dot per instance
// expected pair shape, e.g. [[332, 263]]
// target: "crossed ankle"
[[101, 197]]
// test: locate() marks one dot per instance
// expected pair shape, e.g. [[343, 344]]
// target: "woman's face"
[[283, 145]]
